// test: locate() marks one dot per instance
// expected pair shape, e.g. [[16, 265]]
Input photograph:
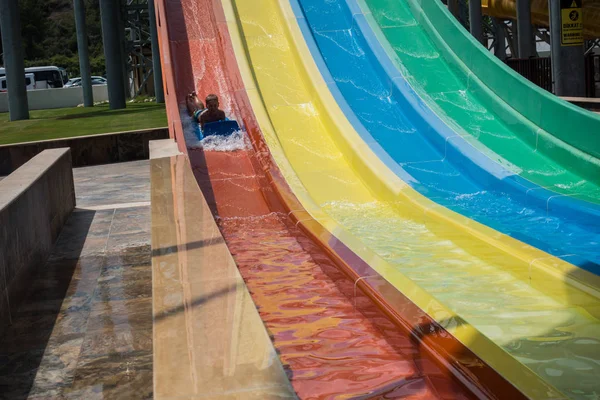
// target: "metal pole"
[[514, 42], [10, 25], [475, 20], [500, 47], [156, 67], [525, 28], [84, 55], [534, 52], [109, 10], [124, 59], [453, 8], [568, 63]]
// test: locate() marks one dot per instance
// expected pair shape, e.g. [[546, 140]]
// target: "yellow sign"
[[571, 24]]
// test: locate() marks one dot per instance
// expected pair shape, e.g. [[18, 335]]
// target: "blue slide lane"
[[427, 154]]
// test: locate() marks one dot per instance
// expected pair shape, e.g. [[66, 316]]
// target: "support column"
[[122, 44], [514, 42], [475, 20], [156, 67], [10, 25], [84, 55], [454, 8], [568, 63], [525, 29], [109, 13], [500, 47]]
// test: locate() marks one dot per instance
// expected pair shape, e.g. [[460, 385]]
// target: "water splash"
[[236, 141], [190, 129], [467, 196]]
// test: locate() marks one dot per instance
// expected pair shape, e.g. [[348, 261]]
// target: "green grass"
[[69, 122]]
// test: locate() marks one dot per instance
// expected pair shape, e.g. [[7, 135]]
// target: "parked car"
[[29, 82], [76, 82], [71, 81]]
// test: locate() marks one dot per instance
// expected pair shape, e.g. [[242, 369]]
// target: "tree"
[[50, 38]]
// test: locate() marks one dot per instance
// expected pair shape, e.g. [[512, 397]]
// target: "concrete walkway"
[[86, 329]]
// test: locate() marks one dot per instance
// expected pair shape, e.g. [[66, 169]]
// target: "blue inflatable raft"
[[219, 128]]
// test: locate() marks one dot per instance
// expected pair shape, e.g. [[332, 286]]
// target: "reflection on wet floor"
[[85, 329], [117, 184]]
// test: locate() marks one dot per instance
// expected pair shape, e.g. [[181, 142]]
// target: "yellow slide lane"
[[520, 298]]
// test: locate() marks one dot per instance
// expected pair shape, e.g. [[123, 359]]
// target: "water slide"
[[303, 284], [514, 301], [540, 137], [423, 150], [405, 237], [507, 9], [398, 126]]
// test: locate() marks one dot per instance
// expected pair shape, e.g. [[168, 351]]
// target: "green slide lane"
[[550, 142]]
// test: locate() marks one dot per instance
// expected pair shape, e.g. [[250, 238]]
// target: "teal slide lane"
[[528, 130], [413, 142]]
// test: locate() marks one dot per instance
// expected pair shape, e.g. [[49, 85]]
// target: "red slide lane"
[[302, 287]]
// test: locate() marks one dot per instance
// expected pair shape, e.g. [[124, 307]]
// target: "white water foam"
[[469, 196], [236, 141], [190, 128]]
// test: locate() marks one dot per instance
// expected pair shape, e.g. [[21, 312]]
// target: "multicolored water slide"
[[317, 320], [424, 151], [417, 245], [546, 140], [522, 299], [379, 99]]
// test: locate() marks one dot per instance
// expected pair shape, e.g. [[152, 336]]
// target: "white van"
[[29, 83], [46, 77]]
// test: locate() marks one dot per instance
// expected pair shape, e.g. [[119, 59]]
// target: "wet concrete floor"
[[85, 330]]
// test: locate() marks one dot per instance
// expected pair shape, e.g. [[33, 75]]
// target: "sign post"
[[566, 37]]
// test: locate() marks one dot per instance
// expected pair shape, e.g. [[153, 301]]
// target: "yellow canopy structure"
[[539, 13]]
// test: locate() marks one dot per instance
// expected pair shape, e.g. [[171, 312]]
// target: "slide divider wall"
[[169, 86]]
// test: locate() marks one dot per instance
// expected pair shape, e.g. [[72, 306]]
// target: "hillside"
[[49, 37]]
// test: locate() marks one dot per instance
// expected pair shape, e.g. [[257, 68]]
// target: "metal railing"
[[592, 75], [537, 70]]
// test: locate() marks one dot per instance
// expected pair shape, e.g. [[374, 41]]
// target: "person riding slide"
[[202, 115]]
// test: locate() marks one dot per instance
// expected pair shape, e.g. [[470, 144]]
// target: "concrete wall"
[[35, 202], [86, 150], [56, 98]]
